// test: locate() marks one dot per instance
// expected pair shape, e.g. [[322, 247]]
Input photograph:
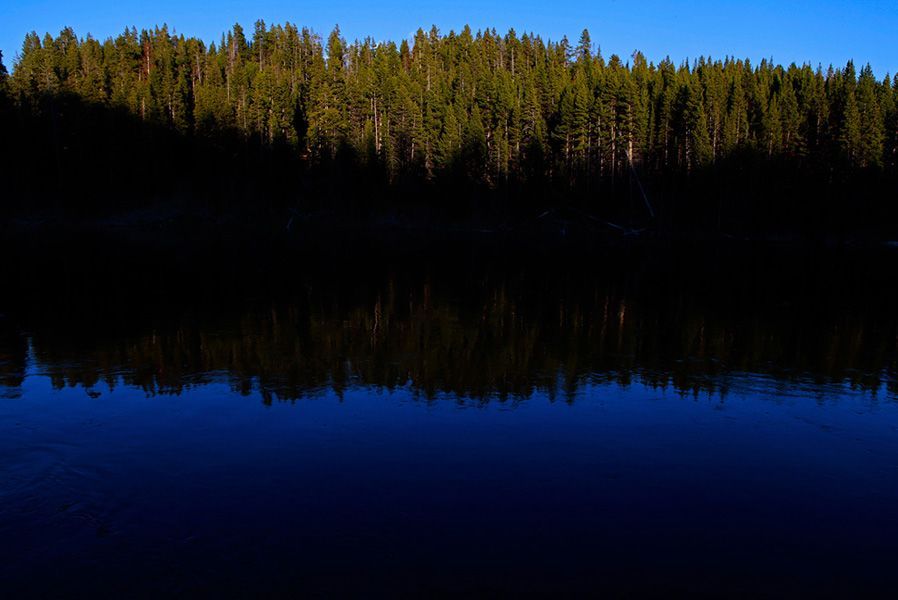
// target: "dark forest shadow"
[[73, 160]]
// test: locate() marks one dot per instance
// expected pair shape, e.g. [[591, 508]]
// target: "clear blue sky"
[[822, 31]]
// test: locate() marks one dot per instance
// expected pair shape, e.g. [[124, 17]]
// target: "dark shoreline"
[[174, 228]]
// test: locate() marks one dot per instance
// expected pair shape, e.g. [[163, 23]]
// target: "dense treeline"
[[709, 143]]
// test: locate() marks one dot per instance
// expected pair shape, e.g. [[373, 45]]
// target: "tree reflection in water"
[[477, 330]]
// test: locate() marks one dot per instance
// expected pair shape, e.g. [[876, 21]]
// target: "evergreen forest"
[[483, 126]]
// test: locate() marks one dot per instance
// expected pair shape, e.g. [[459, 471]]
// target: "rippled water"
[[428, 430]]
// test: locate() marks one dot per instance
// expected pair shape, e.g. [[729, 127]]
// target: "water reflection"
[[13, 354], [781, 479], [479, 331]]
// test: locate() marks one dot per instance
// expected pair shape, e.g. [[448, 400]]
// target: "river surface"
[[651, 423]]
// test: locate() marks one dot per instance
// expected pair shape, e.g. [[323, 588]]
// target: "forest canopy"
[[720, 142]]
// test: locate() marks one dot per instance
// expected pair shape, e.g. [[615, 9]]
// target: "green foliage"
[[496, 110], [4, 94], [4, 74]]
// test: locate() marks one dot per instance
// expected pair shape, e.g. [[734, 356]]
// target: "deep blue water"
[[629, 487], [633, 432]]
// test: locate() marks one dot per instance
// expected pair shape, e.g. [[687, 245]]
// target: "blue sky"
[[825, 31]]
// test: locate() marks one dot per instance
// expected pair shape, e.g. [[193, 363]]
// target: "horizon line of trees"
[[485, 108]]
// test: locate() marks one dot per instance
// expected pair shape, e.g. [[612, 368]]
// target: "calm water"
[[651, 422]]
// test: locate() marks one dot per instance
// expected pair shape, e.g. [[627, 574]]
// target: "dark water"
[[633, 421]]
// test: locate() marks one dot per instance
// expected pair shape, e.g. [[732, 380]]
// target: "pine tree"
[[34, 72], [849, 125], [772, 124], [736, 125], [4, 77], [571, 133], [584, 48], [698, 142], [889, 105], [794, 143], [872, 129], [450, 139], [474, 151]]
